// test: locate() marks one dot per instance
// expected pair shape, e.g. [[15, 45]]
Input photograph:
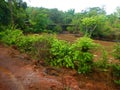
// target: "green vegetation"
[[82, 55], [60, 54], [55, 52], [42, 47], [92, 21], [11, 37], [18, 23], [116, 73], [116, 51], [102, 62]]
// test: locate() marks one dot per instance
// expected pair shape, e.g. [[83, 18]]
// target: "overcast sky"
[[78, 5]]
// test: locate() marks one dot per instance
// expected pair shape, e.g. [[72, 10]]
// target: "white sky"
[[78, 5]]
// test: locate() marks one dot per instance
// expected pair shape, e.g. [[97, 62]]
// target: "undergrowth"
[[60, 53], [116, 51]]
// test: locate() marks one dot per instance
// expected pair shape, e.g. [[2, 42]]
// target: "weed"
[[116, 51]]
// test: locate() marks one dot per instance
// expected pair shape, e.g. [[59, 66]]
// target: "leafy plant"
[[116, 73], [84, 62], [55, 52], [116, 51], [11, 37], [81, 54], [60, 54], [117, 82], [84, 44], [25, 44], [116, 70], [42, 46], [57, 29], [102, 63], [71, 29]]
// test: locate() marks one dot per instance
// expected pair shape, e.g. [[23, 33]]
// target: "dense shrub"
[[25, 44], [116, 70], [42, 46], [102, 62], [84, 44], [60, 54], [71, 29], [82, 56], [116, 73], [116, 51], [48, 31], [57, 29], [84, 62], [53, 51], [11, 37]]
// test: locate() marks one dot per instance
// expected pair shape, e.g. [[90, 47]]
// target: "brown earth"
[[17, 72]]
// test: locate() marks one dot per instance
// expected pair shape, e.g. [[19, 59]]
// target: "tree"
[[17, 13], [94, 11], [56, 16], [93, 25], [68, 16], [4, 14], [41, 22], [117, 12]]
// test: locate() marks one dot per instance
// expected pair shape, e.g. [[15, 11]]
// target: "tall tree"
[[56, 16], [94, 11], [11, 11], [68, 16], [17, 12], [4, 13]]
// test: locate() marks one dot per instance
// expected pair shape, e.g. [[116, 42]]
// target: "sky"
[[78, 5]]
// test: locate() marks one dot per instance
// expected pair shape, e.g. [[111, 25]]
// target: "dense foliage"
[[116, 51], [11, 37], [12, 12], [59, 53], [92, 21], [82, 55], [16, 18], [116, 73], [55, 52]]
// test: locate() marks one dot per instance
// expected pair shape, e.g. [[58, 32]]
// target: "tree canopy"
[[93, 21]]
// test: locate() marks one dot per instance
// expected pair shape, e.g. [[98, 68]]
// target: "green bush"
[[84, 44], [116, 73], [84, 62], [11, 37], [116, 70], [60, 54], [55, 52], [42, 46], [57, 29], [81, 54], [25, 44], [116, 51], [48, 31], [102, 62], [117, 82], [70, 29]]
